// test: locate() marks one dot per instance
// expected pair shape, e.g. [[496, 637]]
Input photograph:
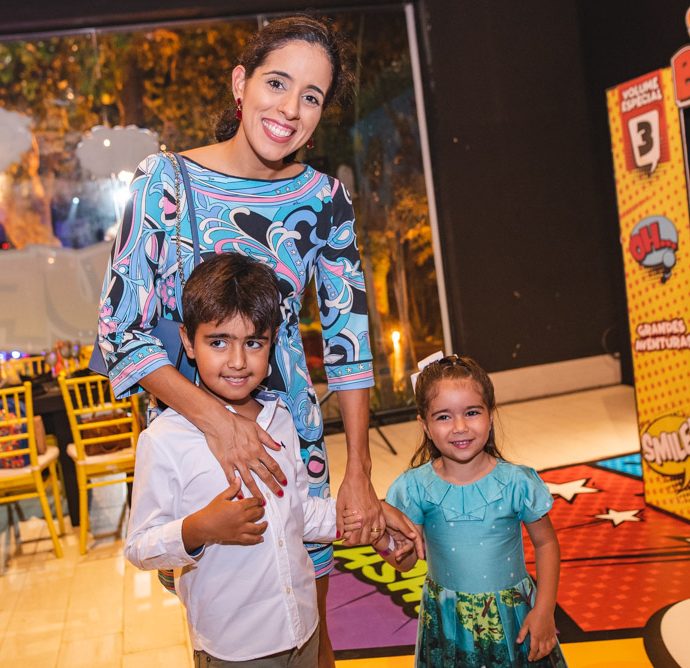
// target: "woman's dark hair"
[[277, 34], [231, 284], [453, 367]]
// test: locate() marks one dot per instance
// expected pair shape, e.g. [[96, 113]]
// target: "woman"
[[252, 197]]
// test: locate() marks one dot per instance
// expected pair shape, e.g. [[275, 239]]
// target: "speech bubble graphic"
[[653, 243], [645, 140], [666, 447]]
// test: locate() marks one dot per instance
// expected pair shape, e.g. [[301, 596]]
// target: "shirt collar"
[[269, 404]]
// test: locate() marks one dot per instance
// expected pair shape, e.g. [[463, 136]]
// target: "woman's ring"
[[376, 530]]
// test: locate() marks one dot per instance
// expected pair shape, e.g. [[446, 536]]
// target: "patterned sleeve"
[[532, 499], [343, 302], [135, 286], [404, 495]]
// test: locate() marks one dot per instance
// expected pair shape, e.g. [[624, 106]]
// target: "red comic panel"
[[680, 65], [621, 561]]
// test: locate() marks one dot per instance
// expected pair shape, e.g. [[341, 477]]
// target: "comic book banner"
[[643, 120], [649, 165]]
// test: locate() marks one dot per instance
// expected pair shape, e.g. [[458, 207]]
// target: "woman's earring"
[[310, 144], [238, 109]]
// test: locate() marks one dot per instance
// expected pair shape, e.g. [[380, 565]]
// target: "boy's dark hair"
[[231, 284], [453, 367]]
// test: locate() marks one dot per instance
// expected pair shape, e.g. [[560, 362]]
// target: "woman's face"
[[283, 99]]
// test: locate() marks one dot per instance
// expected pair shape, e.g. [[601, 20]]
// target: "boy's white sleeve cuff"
[[161, 547]]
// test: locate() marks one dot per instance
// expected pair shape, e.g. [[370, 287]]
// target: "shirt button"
[[288, 590], [280, 543]]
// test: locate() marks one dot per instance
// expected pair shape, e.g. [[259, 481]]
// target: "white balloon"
[[15, 137], [105, 151]]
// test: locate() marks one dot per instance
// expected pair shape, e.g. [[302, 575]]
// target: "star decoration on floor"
[[569, 490], [620, 516]]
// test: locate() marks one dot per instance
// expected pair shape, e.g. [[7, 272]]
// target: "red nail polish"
[[239, 495], [263, 502], [284, 482], [337, 534], [280, 492]]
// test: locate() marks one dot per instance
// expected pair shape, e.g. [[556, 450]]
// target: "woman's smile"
[[277, 131]]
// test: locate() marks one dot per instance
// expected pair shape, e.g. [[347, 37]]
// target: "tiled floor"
[[97, 610]]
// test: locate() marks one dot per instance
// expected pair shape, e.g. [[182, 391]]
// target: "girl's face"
[[283, 100], [458, 421]]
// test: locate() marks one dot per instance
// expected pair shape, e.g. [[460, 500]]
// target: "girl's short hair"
[[276, 35], [231, 284], [452, 367]]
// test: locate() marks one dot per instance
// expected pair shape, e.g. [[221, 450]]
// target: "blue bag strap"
[[190, 206]]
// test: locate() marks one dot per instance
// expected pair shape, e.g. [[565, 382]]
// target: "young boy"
[[248, 585]]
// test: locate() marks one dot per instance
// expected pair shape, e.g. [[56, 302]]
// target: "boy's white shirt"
[[242, 602]]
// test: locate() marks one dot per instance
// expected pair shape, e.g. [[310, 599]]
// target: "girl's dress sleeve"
[[342, 300], [531, 497], [405, 495], [137, 283]]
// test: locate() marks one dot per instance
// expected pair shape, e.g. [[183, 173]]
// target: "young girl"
[[479, 605]]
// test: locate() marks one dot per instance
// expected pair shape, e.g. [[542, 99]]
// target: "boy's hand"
[[229, 518], [542, 632], [352, 521]]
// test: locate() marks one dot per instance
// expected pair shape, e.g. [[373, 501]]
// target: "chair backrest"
[[17, 434], [85, 355], [96, 417], [35, 365], [28, 367], [71, 365]]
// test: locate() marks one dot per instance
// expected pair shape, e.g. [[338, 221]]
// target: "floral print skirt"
[[477, 630]]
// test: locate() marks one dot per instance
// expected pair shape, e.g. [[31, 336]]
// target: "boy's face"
[[231, 357]]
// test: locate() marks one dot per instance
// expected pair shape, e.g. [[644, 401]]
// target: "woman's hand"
[[239, 444], [356, 491]]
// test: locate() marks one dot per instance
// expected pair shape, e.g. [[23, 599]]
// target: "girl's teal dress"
[[478, 592]]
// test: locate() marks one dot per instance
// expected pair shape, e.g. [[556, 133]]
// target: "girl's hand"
[[542, 632], [396, 549], [397, 521], [356, 491], [239, 444], [404, 547]]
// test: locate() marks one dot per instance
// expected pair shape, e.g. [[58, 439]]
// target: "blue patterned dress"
[[303, 227], [477, 592]]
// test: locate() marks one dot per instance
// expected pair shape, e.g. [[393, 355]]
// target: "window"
[[62, 191]]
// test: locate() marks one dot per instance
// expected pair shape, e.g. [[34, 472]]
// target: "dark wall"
[[520, 151], [523, 171]]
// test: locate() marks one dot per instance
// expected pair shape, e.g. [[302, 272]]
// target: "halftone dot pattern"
[[615, 577], [662, 378]]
